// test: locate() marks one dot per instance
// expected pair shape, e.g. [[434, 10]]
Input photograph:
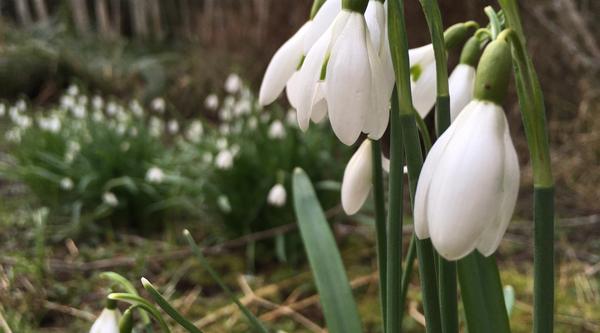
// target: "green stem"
[[380, 226], [394, 236], [411, 255], [543, 260], [414, 157]]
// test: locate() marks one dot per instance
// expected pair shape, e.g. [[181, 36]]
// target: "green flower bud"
[[126, 322], [493, 72], [457, 33], [471, 52]]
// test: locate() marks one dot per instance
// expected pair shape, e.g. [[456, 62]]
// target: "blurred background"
[[122, 122]]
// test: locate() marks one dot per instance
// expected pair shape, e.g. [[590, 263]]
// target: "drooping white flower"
[[469, 183], [155, 175], [112, 108], [110, 199], [423, 78], [357, 183], [195, 131], [222, 143], [67, 101], [276, 130], [73, 90], [158, 105], [173, 126], [21, 105], [233, 83], [97, 102], [79, 111], [211, 102], [224, 204], [66, 184], [2, 109], [136, 108], [224, 160], [107, 322], [51, 124], [461, 84], [352, 87], [277, 196]]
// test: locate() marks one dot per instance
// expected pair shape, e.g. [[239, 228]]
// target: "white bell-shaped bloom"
[[461, 84], [107, 322], [423, 78], [357, 182], [277, 196], [469, 183]]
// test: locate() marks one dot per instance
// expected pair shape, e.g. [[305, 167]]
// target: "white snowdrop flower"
[[224, 160], [233, 83], [290, 117], [23, 122], [136, 108], [242, 107], [276, 130], [125, 146], [252, 123], [79, 111], [82, 100], [277, 196], [66, 184], [156, 127], [97, 102], [211, 102], [173, 127], [107, 322], [357, 183], [110, 199], [158, 105], [207, 158], [195, 131], [21, 105], [228, 102], [222, 144], [51, 124], [223, 203], [423, 78], [225, 114], [462, 80], [13, 135], [67, 102], [155, 175], [357, 97], [73, 90], [121, 128], [224, 129], [112, 108], [2, 110], [97, 116]]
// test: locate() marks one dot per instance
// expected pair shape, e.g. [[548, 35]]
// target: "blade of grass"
[[332, 283], [142, 304]]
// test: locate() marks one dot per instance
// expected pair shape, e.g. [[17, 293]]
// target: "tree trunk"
[[138, 14], [23, 12], [116, 16], [155, 13], [102, 19], [80, 16], [41, 10]]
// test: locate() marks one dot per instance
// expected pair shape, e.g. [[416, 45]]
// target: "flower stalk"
[[380, 225]]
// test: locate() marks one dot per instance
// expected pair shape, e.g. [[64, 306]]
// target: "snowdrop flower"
[[290, 117], [277, 196], [136, 108], [112, 108], [97, 116], [110, 199], [252, 123], [51, 124], [107, 322], [173, 127], [224, 160], [82, 100], [195, 131], [357, 181], [225, 114], [97, 102], [276, 130], [158, 105], [357, 96], [222, 144], [469, 183], [155, 175], [156, 127], [224, 204], [211, 102], [233, 83], [287, 59], [13, 135], [73, 90], [242, 107], [462, 79], [2, 110], [423, 78], [79, 111], [66, 184], [67, 102], [21, 105]]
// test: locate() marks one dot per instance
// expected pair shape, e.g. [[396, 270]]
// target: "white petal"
[[319, 110], [464, 192], [348, 78], [421, 55], [375, 17], [461, 84], [491, 237], [424, 90], [107, 322], [283, 64], [321, 22], [292, 89], [356, 184]]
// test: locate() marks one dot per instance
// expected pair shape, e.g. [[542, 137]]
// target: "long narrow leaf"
[[143, 304], [127, 286], [256, 324], [338, 304]]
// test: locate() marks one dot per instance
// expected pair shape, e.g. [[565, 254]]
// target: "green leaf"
[[127, 286], [482, 295], [142, 304], [334, 289], [256, 324], [164, 304]]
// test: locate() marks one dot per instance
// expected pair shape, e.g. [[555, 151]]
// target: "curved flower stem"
[[446, 269], [380, 225], [533, 113], [414, 157], [411, 255]]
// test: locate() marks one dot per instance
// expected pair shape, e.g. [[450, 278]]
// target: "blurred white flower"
[[233, 83], [173, 127], [97, 102], [290, 118], [112, 108], [158, 104], [66, 184], [224, 160], [222, 143], [223, 203], [211, 102], [2, 110], [195, 131], [276, 130], [73, 147], [136, 108], [51, 124], [107, 322], [225, 114], [73, 90], [67, 102], [207, 157], [13, 135], [228, 102], [21, 105], [252, 123], [21, 121], [235, 149], [156, 127], [125, 146], [155, 175], [242, 107], [277, 196], [133, 132], [121, 128], [224, 129], [110, 199], [79, 111], [82, 100], [97, 116]]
